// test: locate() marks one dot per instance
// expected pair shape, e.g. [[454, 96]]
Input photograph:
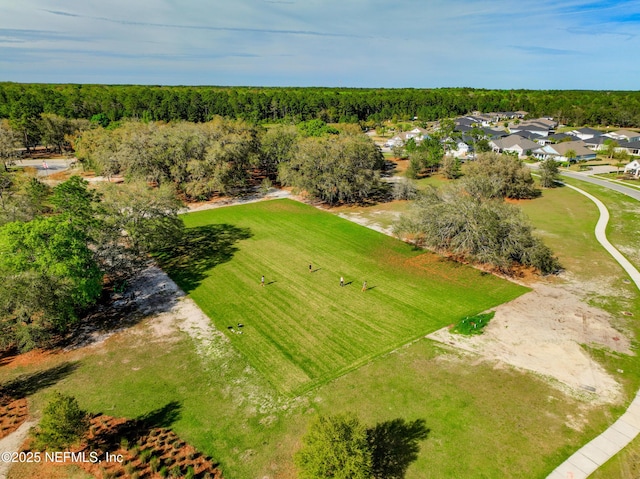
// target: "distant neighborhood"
[[510, 133]]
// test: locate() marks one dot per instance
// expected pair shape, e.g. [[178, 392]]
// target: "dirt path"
[[12, 443]]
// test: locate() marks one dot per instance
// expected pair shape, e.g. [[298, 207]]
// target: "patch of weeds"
[[145, 455], [154, 463], [176, 471], [473, 324]]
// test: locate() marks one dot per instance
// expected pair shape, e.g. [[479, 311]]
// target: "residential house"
[[624, 135], [597, 143], [461, 150], [539, 130], [418, 134], [631, 147], [556, 138], [491, 133], [533, 136], [585, 133], [559, 151], [514, 144], [633, 168]]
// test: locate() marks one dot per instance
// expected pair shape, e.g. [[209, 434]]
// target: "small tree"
[[335, 447], [450, 167], [549, 173], [571, 155], [611, 146], [63, 423], [404, 189]]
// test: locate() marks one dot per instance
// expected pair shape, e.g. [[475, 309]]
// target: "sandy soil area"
[[542, 331]]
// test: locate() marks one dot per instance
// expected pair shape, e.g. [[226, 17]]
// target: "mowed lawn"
[[302, 329]]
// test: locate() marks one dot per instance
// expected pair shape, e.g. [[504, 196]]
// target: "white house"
[[633, 168], [418, 134], [632, 147], [585, 133], [624, 135], [559, 152], [514, 144], [461, 150]]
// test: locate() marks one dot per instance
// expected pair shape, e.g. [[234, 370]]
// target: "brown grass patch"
[[33, 357], [13, 412], [143, 451]]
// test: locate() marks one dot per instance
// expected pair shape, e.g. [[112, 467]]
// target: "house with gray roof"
[[597, 143], [585, 133], [631, 147], [624, 135], [559, 152], [557, 138], [514, 144]]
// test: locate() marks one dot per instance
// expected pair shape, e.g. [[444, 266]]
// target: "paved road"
[[590, 457], [634, 193]]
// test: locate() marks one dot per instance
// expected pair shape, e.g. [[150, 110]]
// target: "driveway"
[[53, 165]]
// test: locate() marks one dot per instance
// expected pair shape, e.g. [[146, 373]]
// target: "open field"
[[230, 411], [302, 329], [227, 410]]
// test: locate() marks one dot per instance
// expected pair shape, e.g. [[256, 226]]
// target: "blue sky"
[[539, 44]]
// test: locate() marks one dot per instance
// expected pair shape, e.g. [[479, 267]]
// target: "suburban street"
[[634, 193]]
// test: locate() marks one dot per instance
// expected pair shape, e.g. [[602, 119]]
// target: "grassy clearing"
[[302, 329], [566, 220], [228, 411], [486, 421]]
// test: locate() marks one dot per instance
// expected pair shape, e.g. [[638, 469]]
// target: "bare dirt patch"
[[542, 331]]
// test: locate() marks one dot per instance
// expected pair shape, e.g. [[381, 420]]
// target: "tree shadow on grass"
[[29, 384], [161, 417], [200, 249], [394, 446]]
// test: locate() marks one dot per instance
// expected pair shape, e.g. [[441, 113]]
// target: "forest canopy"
[[108, 103]]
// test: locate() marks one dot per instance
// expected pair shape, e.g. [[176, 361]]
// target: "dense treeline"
[[107, 103], [58, 245], [226, 156]]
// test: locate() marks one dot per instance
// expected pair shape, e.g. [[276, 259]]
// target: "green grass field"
[[302, 329], [487, 420]]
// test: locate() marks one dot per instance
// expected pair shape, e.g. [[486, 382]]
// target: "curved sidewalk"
[[598, 451]]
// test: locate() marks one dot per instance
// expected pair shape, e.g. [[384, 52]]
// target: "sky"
[[505, 44]]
